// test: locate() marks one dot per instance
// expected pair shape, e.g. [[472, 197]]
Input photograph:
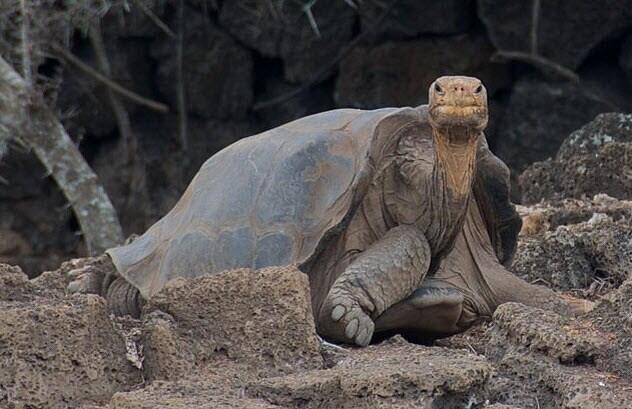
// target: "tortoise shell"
[[270, 199]]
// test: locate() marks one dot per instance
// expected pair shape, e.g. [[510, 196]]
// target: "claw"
[[363, 338], [352, 328], [338, 312]]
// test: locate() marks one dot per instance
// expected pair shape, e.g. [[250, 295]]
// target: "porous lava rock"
[[613, 316], [394, 374], [258, 322], [547, 332], [57, 353], [594, 159], [576, 256], [185, 395]]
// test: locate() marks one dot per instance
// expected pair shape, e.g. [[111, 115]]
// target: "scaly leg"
[[384, 274]]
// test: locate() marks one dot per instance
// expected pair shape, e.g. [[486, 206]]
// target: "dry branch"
[[132, 96], [539, 62], [24, 114], [120, 113], [182, 106]]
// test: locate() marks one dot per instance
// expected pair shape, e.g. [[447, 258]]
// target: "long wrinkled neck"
[[455, 159]]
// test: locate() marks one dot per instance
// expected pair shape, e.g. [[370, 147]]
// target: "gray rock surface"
[[594, 159]]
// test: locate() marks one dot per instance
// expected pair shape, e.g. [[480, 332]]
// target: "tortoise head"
[[457, 101]]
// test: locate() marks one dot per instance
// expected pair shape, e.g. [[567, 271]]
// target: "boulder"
[[594, 159], [283, 29], [539, 115], [394, 374], [399, 73], [566, 31], [57, 353], [236, 325], [218, 71], [409, 18]]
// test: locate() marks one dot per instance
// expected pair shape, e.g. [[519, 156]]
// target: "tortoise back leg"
[[123, 298], [429, 312], [385, 273]]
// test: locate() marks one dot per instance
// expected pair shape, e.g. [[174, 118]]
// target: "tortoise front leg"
[[384, 274]]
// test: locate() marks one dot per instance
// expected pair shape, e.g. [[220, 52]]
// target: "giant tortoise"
[[399, 216]]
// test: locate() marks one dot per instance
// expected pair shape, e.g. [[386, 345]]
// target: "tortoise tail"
[[124, 299]]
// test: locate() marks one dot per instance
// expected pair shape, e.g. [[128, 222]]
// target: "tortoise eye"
[[438, 88], [478, 89]]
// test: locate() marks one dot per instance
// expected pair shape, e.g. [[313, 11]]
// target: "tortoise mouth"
[[466, 116]]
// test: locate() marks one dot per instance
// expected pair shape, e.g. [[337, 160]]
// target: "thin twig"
[[132, 96], [155, 19], [26, 44], [543, 64], [328, 67], [535, 22], [120, 113], [182, 109]]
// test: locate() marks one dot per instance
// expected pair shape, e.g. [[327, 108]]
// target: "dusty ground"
[[246, 339]]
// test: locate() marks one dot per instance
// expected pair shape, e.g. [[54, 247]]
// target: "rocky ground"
[[246, 339]]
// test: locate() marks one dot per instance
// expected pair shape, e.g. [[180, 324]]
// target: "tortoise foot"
[[91, 278], [344, 320]]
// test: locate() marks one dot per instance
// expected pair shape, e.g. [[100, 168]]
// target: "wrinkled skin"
[[417, 247]]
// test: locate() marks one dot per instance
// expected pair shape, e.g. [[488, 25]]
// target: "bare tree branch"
[[26, 44], [120, 113], [24, 114], [132, 96], [155, 19], [535, 22], [543, 64], [182, 107]]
